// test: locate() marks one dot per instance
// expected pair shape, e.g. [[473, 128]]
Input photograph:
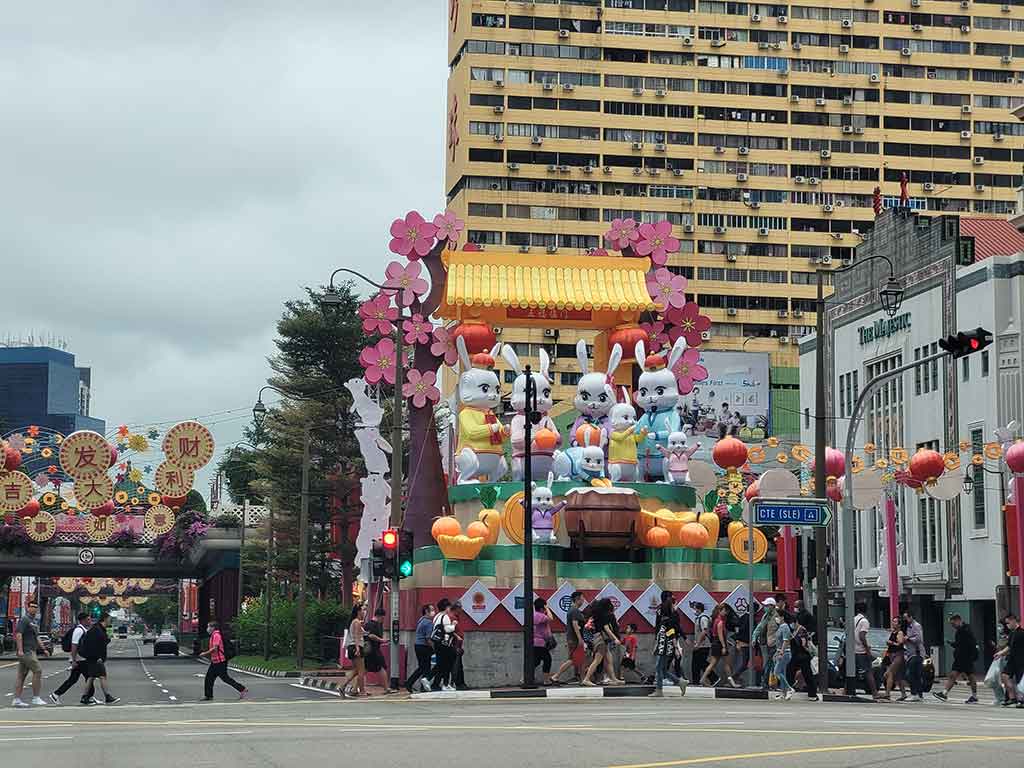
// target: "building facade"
[[957, 274], [760, 130], [44, 387]]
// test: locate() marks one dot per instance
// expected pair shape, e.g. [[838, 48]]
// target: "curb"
[[264, 671], [610, 692], [323, 685]]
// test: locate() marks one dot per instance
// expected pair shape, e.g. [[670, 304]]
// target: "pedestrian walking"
[[459, 646], [78, 670], [800, 655], [443, 638], [864, 657], [374, 634], [965, 656], [630, 666], [719, 645], [574, 644], [28, 648], [94, 650], [667, 637], [218, 668], [783, 657], [543, 640], [355, 648], [894, 673], [766, 636], [913, 650], [424, 650], [1013, 672], [701, 642], [741, 645], [603, 624]]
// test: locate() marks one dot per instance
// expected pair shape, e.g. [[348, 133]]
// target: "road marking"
[[212, 733], [173, 698], [817, 750], [44, 725], [317, 690], [38, 738], [10, 664]]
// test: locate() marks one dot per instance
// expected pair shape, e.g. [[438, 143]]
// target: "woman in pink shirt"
[[543, 639], [219, 664]]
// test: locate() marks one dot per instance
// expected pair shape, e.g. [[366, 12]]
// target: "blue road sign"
[[813, 512]]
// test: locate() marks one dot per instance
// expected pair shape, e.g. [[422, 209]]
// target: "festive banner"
[[479, 602]]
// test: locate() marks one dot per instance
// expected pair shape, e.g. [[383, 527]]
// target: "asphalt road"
[[602, 733], [138, 678]]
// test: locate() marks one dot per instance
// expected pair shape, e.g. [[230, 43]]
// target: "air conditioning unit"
[[755, 204], [744, 151], [498, 138], [820, 101], [835, 236], [537, 140], [552, 249], [637, 171], [720, 230], [979, 187], [742, 177], [660, 147], [607, 169], [858, 129], [756, 18], [928, 186], [1007, 59], [654, 171], [777, 45], [1005, 9], [798, 313], [828, 259], [814, 181], [513, 166], [563, 33], [915, 3], [783, 313], [563, 169], [799, 180], [979, 160], [763, 231], [826, 154], [524, 249], [568, 87], [965, 29], [966, 109], [965, 134], [905, 52], [618, 193], [844, 49], [782, 73], [797, 46], [763, 45], [498, 330], [827, 208], [965, 3], [847, 129], [661, 92], [705, 335], [552, 168], [498, 110], [847, 101], [677, 171], [638, 91], [688, 229], [718, 43], [875, 77], [548, 86], [550, 333], [846, 23], [499, 83], [638, 145], [732, 311], [783, 339], [794, 99], [730, 257], [783, 19], [588, 169], [688, 40], [918, 27], [997, 137]]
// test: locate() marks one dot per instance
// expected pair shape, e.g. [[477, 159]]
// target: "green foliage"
[[323, 618], [226, 521], [488, 496], [158, 611], [710, 500]]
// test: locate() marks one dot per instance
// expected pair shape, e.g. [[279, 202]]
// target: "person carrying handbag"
[[543, 640], [667, 635], [355, 649]]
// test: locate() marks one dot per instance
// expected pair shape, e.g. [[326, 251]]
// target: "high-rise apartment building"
[[760, 130]]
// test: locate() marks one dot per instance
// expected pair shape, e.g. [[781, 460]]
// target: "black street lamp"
[[891, 296], [968, 484], [532, 418]]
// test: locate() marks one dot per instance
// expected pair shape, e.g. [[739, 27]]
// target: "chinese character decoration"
[[15, 491], [41, 527], [94, 492], [159, 519], [188, 445], [85, 455], [172, 480]]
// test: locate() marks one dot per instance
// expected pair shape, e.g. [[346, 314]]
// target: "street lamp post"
[[891, 296], [532, 417]]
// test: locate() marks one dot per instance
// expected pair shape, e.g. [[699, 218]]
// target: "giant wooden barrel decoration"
[[606, 517]]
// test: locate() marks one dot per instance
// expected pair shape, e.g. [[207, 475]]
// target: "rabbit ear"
[[460, 345], [551, 479], [614, 358], [545, 364], [625, 395], [586, 439], [581, 357], [639, 352], [677, 352], [495, 349], [511, 357]]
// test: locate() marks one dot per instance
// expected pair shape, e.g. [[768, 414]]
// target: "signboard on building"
[[887, 326], [733, 399]]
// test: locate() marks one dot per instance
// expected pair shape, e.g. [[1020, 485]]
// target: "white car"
[[165, 644]]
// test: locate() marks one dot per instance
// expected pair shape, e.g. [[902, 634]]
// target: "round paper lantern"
[[658, 537], [476, 530], [545, 439], [1015, 457], [29, 510], [694, 536], [835, 463], [104, 510], [586, 430], [905, 478], [12, 459], [834, 492], [626, 336], [926, 465], [712, 523], [173, 502], [729, 453], [479, 337], [113, 454], [753, 490], [445, 526]]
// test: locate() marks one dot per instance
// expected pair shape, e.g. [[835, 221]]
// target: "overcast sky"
[[172, 172]]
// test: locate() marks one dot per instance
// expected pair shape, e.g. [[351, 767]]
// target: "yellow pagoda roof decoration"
[[488, 279]]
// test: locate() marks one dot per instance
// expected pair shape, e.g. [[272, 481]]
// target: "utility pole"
[[268, 589], [300, 613], [396, 498], [820, 534]]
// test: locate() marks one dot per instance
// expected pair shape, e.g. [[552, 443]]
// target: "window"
[[965, 366], [883, 419], [977, 444], [917, 371], [569, 378], [935, 366], [984, 363]]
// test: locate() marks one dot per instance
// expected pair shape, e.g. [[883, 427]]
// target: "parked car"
[[148, 637], [122, 631], [166, 643]]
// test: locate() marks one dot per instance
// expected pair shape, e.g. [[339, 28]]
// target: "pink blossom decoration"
[[657, 242], [657, 334], [689, 370], [623, 234], [598, 252], [42, 479], [413, 237], [405, 281], [448, 226], [421, 387], [378, 315], [417, 330], [379, 361], [688, 323], [444, 346], [666, 288]]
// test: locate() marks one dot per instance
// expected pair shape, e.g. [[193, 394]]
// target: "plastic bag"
[[1020, 690], [994, 671]]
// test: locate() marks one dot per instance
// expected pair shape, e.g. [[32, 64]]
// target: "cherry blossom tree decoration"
[[379, 362], [404, 282], [412, 237], [421, 387], [448, 227], [688, 371], [656, 241], [666, 288], [443, 346], [688, 323], [623, 234], [417, 330], [378, 315]]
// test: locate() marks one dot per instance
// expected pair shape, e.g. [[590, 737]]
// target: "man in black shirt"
[[94, 651], [1014, 653], [965, 656]]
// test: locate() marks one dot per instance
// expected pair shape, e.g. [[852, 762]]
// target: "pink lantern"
[[30, 510], [1015, 457], [834, 492], [926, 465], [835, 463]]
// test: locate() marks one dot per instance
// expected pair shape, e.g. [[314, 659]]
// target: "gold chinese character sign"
[[94, 492], [15, 491], [99, 528], [188, 445], [41, 527], [172, 480], [159, 520], [85, 454]]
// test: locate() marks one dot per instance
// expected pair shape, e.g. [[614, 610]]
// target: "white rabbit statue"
[[543, 512], [540, 461], [481, 447], [677, 457], [657, 394], [595, 392], [582, 462], [623, 438]]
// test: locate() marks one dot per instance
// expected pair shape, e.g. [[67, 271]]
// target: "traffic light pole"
[[529, 413]]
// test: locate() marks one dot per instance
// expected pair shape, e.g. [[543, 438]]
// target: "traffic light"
[[389, 543], [966, 342], [376, 560], [405, 561]]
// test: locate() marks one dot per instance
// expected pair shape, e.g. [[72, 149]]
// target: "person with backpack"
[[93, 649], [800, 655], [965, 656], [424, 627], [220, 653], [667, 634], [701, 641], [70, 644], [443, 638]]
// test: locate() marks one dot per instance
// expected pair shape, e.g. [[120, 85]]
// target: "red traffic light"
[[389, 538], [975, 344]]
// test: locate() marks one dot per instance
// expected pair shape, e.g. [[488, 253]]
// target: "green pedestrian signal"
[[405, 559], [405, 569]]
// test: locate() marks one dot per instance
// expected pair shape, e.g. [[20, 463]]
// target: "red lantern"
[[12, 459], [479, 337], [729, 453], [905, 478], [835, 463], [105, 510], [626, 336], [834, 492], [753, 490], [1015, 457], [926, 466], [29, 510], [173, 502], [113, 454]]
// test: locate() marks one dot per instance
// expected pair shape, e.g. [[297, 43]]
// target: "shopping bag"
[[994, 671]]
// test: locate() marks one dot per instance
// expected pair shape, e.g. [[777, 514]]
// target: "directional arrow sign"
[[813, 512]]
